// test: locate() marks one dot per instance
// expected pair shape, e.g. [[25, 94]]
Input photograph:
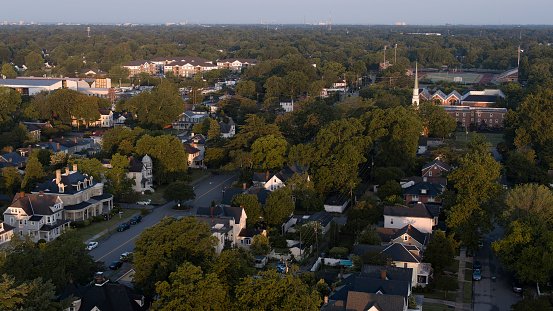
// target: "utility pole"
[[330, 25], [395, 55], [518, 61], [317, 239], [385, 54]]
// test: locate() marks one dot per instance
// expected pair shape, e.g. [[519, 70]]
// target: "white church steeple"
[[415, 101]]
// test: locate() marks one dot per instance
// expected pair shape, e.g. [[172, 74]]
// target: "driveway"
[[111, 248], [488, 294]]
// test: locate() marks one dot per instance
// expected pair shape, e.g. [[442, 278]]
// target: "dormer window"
[[423, 191]]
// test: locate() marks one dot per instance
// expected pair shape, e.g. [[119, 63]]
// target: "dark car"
[[477, 265], [123, 227], [477, 275], [115, 265], [136, 219], [517, 287]]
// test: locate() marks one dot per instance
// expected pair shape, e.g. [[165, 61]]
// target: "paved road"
[[110, 249], [488, 294]]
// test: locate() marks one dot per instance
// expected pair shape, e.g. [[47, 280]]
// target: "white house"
[[37, 215], [335, 204], [141, 171], [422, 216], [274, 181], [6, 232], [288, 106]]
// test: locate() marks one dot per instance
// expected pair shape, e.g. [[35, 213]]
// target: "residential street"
[[110, 249], [488, 294]]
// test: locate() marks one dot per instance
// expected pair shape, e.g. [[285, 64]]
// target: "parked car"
[[91, 246], [123, 227], [125, 256], [517, 286], [147, 202], [136, 219], [477, 265], [477, 275], [115, 265]]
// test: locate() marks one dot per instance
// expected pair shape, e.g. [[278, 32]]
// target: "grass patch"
[[454, 267], [427, 306], [492, 138], [468, 275], [156, 197], [467, 292], [97, 227], [451, 296], [468, 265], [197, 174]]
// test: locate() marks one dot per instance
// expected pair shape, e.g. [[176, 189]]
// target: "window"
[[491, 115], [463, 114], [392, 221], [471, 119], [415, 198], [430, 173], [405, 265], [430, 199], [456, 114], [479, 114], [496, 121], [405, 237]]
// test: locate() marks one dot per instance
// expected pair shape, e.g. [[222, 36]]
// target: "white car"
[[91, 246], [144, 202]]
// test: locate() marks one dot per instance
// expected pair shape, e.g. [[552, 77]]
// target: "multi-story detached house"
[[142, 173], [38, 215], [6, 232], [82, 197], [274, 181], [236, 64], [422, 216]]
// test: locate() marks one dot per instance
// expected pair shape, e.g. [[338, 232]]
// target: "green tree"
[[214, 130], [43, 156], [369, 236], [245, 88], [531, 304], [62, 103], [10, 180], [58, 160], [162, 248], [476, 190], [272, 291], [260, 245], [127, 193], [390, 188], [34, 61], [9, 102], [118, 73], [362, 215], [179, 191], [8, 71], [251, 206], [231, 266], [90, 166], [189, 288], [196, 85], [278, 206], [33, 174], [269, 152], [168, 166], [435, 120], [440, 251], [202, 127]]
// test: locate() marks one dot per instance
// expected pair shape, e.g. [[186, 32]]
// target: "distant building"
[[141, 171], [236, 64]]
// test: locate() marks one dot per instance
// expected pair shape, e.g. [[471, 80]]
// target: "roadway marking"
[[118, 247], [213, 188]]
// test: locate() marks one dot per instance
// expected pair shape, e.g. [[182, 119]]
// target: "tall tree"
[[231, 266], [440, 251], [189, 288], [33, 174], [8, 71], [9, 102], [279, 205], [251, 206], [168, 155], [179, 191], [435, 120], [162, 248], [10, 180], [260, 245], [269, 152]]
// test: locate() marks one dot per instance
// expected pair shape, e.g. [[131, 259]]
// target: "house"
[[379, 286], [227, 129], [106, 118], [435, 169], [335, 204], [236, 64], [300, 251], [287, 105], [93, 72], [39, 216], [188, 119], [82, 197], [425, 143], [410, 256], [105, 296], [137, 66], [195, 156], [188, 66], [15, 159], [274, 181], [425, 192], [141, 171], [6, 232], [388, 272], [55, 147], [421, 216], [359, 301], [229, 193], [321, 217], [228, 224], [35, 128], [408, 235], [340, 84]]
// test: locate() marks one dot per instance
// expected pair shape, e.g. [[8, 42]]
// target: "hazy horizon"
[[247, 12]]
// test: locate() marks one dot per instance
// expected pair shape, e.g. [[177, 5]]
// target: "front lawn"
[[468, 275], [451, 296], [97, 227], [467, 292], [156, 197], [492, 138]]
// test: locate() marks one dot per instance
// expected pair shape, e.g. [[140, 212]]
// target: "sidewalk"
[[113, 228], [459, 305]]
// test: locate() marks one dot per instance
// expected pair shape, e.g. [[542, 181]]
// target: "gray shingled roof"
[[35, 204], [399, 252], [420, 210]]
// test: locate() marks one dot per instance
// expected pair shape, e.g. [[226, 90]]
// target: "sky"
[[411, 12]]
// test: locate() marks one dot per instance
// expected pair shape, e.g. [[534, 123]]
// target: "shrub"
[[97, 218], [86, 223], [77, 224], [116, 209], [148, 192], [144, 211]]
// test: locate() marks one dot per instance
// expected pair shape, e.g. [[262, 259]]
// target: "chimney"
[[425, 179], [10, 160], [212, 211], [50, 140], [244, 186], [389, 262], [67, 170], [22, 194], [41, 193], [383, 274], [58, 144], [409, 240], [326, 300], [333, 287], [75, 140], [267, 176], [58, 176], [75, 167], [99, 278]]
